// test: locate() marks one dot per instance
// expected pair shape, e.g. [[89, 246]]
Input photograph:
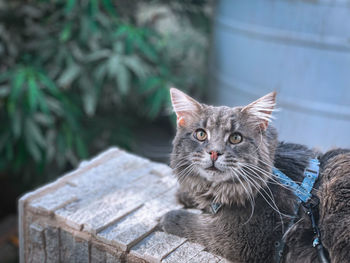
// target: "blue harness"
[[303, 192]]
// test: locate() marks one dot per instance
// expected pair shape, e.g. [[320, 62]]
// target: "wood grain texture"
[[107, 210]]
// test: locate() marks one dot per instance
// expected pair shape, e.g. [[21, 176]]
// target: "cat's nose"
[[214, 155]]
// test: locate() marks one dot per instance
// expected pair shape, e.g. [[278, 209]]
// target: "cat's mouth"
[[213, 169]]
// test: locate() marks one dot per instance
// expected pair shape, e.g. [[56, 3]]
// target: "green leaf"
[[34, 150], [33, 93], [156, 102], [66, 32], [113, 64], [18, 81], [81, 147], [146, 49], [93, 7], [43, 119], [42, 103], [89, 102], [54, 106], [35, 133], [123, 79], [31, 146], [121, 31], [151, 83], [51, 147], [136, 65], [70, 4], [49, 84], [89, 95], [16, 123], [118, 47], [100, 72], [107, 4], [97, 55], [85, 26], [69, 75], [5, 76], [68, 135]]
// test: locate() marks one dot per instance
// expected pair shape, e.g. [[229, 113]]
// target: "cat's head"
[[224, 146]]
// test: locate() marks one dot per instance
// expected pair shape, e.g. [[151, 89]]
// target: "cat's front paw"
[[176, 222]]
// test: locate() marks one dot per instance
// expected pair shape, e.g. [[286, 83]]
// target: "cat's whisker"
[[185, 172], [291, 228], [255, 175], [181, 163], [269, 175], [251, 168], [185, 164], [271, 197], [273, 176], [249, 193]]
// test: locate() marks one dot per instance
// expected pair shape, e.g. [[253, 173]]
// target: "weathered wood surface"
[[107, 210]]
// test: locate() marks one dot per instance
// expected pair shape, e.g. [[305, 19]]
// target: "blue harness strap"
[[302, 191]]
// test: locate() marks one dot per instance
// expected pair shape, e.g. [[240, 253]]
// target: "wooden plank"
[[24, 209], [110, 258], [156, 246], [66, 247], [99, 214], [161, 169], [52, 244], [73, 249], [104, 179], [183, 253], [97, 255], [54, 200], [134, 227], [81, 250], [114, 172], [37, 244], [117, 201], [204, 257]]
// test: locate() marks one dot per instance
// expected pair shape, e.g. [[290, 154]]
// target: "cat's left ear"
[[261, 109], [185, 107]]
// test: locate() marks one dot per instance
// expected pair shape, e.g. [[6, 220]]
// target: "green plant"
[[79, 75]]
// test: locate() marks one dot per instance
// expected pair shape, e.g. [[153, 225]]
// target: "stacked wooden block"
[[105, 211]]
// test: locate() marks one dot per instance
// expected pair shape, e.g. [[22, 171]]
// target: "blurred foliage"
[[79, 75]]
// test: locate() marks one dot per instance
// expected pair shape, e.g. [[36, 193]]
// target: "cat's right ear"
[[184, 106]]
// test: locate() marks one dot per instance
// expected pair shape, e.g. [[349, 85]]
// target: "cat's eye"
[[235, 138], [200, 135]]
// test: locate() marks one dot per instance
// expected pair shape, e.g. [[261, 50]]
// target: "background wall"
[[300, 49]]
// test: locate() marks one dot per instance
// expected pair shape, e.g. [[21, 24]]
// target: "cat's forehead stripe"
[[204, 122], [219, 117]]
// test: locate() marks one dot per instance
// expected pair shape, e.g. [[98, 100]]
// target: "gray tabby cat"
[[224, 156]]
